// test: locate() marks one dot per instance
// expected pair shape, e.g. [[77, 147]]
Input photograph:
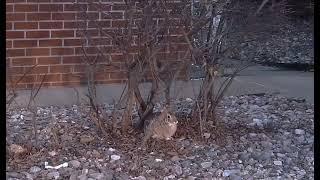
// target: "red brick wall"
[[44, 32]]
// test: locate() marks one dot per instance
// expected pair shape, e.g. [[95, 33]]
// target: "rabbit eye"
[[169, 116]]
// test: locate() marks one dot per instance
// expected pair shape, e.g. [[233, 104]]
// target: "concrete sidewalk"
[[256, 79]]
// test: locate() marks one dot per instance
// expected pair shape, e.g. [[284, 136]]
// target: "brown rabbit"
[[160, 125]]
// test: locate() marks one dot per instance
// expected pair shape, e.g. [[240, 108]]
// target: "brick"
[[119, 23], [38, 34], [118, 7], [89, 50], [9, 26], [26, 7], [23, 61], [50, 25], [25, 79], [87, 15], [14, 34], [60, 69], [15, 16], [74, 24], [74, 7], [112, 15], [16, 70], [100, 24], [50, 7], [101, 76], [72, 84], [37, 1], [75, 77], [38, 52], [79, 68], [118, 75], [8, 44], [25, 25], [110, 81], [38, 16], [21, 86], [72, 42], [62, 33], [25, 43], [99, 41], [9, 8], [71, 59], [91, 33], [49, 78], [63, 16], [48, 60], [15, 52], [40, 70], [102, 7], [15, 1], [117, 58], [64, 1], [50, 42], [62, 51]]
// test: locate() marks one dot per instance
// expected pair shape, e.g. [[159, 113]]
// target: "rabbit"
[[160, 126]]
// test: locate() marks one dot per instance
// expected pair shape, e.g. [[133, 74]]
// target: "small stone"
[[227, 173], [115, 157], [281, 155], [73, 176], [95, 153], [53, 175], [111, 150], [86, 139], [140, 178], [178, 170], [191, 178], [158, 160], [97, 175], [206, 135], [235, 177], [206, 165], [75, 163], [28, 176], [34, 169], [277, 163], [299, 132], [175, 158], [83, 177], [17, 149], [52, 153]]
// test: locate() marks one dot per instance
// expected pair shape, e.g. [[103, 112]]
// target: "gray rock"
[[299, 131], [83, 177], [28, 176], [206, 165], [53, 175], [191, 178], [73, 176], [34, 169], [75, 163], [227, 173], [175, 158], [97, 175], [115, 157], [235, 177], [244, 156], [178, 170], [140, 178], [277, 163]]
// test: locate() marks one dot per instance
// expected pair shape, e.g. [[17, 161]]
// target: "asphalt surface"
[[253, 80]]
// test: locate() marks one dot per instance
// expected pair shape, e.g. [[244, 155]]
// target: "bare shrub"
[[212, 32]]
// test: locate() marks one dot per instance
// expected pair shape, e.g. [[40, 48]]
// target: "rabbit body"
[[160, 126]]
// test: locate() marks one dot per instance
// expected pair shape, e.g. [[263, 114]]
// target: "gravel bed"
[[293, 44], [265, 136]]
